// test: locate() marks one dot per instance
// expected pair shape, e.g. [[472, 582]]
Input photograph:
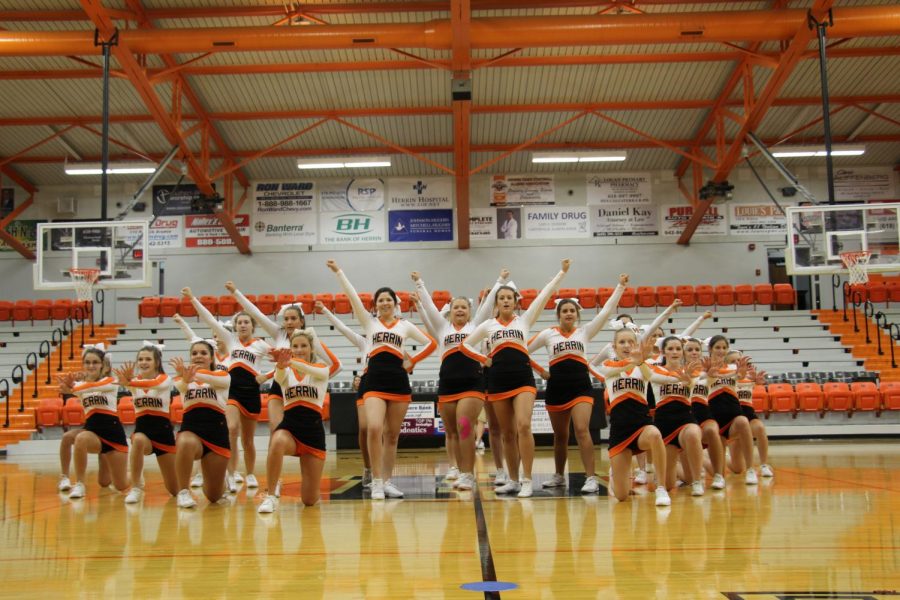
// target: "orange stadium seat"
[[782, 398], [665, 295], [126, 410], [724, 295], [40, 310], [877, 291], [367, 300], [148, 308], [761, 399], [893, 286], [587, 297], [22, 310], [282, 299], [810, 398], [528, 296], [49, 412], [706, 295], [326, 299], [764, 294], [784, 294], [838, 397], [266, 303], [210, 303], [227, 306], [6, 310], [604, 294], [686, 294], [567, 293], [403, 298], [186, 308], [307, 302], [62, 309], [73, 413], [743, 295], [168, 306], [646, 296], [629, 298], [440, 298], [866, 396], [342, 304], [890, 395], [859, 293]]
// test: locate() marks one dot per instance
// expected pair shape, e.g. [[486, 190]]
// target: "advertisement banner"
[[481, 224], [351, 195], [283, 214], [167, 232], [351, 228], [674, 219], [205, 231], [419, 194], [24, 231], [176, 200], [540, 418], [624, 220], [859, 184], [522, 189], [619, 188], [420, 225], [754, 219], [556, 223], [420, 419]]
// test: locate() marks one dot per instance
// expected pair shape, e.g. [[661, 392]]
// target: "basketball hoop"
[[857, 264], [84, 280]]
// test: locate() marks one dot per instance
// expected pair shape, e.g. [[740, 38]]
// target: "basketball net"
[[84, 280], [857, 264]]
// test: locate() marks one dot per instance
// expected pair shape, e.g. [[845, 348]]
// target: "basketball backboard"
[[817, 235], [118, 248]]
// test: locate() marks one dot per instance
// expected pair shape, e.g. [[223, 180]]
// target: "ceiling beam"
[[495, 32]]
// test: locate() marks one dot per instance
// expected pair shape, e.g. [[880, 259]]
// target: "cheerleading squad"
[[664, 397]]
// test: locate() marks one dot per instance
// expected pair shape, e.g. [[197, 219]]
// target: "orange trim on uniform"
[[117, 447], [721, 391], [362, 402], [240, 365], [153, 413], [203, 405], [244, 411], [668, 440], [426, 352], [457, 397], [148, 383], [574, 357], [217, 449], [512, 393], [471, 353], [723, 431], [335, 361], [671, 399], [626, 396], [164, 447], [304, 449], [388, 397], [571, 403], [518, 347], [700, 400], [308, 405], [92, 384], [619, 448], [388, 349], [100, 411]]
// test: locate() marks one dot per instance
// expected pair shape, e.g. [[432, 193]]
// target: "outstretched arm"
[[358, 308], [660, 319], [597, 323], [217, 328], [270, 326], [430, 313], [189, 334], [537, 306], [357, 340], [696, 324], [486, 308]]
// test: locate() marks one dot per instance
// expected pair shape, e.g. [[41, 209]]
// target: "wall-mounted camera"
[[721, 190], [788, 192]]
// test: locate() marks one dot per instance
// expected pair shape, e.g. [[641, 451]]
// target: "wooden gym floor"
[[827, 526]]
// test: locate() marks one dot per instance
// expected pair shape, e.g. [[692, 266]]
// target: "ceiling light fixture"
[[344, 162], [811, 151], [578, 157], [113, 168]]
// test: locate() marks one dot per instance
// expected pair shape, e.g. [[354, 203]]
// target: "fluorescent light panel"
[[113, 168], [811, 151], [344, 162], [578, 157]]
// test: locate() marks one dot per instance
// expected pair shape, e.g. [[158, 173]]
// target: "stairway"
[[834, 319], [22, 424]]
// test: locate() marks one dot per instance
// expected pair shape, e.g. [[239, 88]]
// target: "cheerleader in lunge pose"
[[204, 431], [388, 392], [693, 353], [460, 384], [744, 389], [151, 390], [300, 432], [569, 391], [103, 433], [511, 386]]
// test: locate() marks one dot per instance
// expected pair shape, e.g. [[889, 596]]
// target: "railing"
[[855, 298], [4, 393]]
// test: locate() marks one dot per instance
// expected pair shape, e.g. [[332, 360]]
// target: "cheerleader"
[[674, 417], [300, 433], [630, 428], [510, 384], [362, 344], [744, 388], [460, 381], [709, 429], [151, 390], [204, 431], [499, 476], [103, 433], [244, 403], [569, 391], [292, 319], [724, 406], [387, 391]]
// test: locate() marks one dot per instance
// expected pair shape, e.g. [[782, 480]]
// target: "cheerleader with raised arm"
[[245, 357], [292, 319], [204, 430], [724, 405], [300, 433], [511, 386], [674, 417], [460, 380], [709, 429], [362, 344], [388, 392], [151, 390], [103, 433], [744, 388], [630, 427], [569, 390]]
